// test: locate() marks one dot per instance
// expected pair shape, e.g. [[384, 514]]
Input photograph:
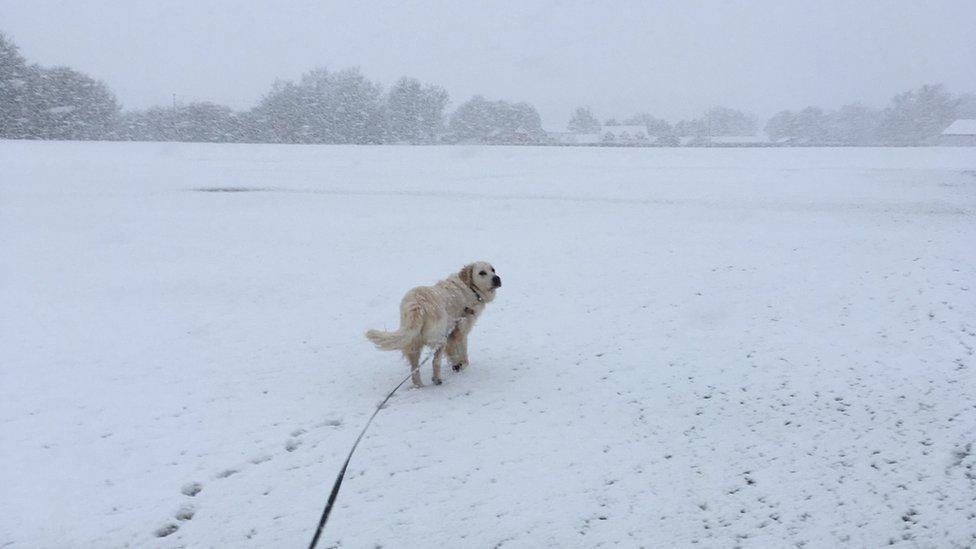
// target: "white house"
[[960, 132], [732, 141], [624, 134], [573, 138]]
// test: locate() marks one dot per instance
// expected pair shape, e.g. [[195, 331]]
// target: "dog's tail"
[[411, 321]]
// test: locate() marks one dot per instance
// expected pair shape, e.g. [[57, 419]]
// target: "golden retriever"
[[440, 317]]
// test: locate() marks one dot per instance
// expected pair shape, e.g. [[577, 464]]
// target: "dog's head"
[[481, 275]]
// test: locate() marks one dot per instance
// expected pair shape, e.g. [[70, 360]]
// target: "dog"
[[441, 317]]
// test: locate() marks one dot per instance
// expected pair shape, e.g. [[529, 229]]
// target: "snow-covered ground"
[[706, 348]]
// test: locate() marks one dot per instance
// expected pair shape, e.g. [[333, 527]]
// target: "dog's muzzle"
[[496, 281]]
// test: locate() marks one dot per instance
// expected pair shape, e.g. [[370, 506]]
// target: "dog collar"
[[476, 294]]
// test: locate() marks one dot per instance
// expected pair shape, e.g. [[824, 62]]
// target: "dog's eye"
[[482, 273]]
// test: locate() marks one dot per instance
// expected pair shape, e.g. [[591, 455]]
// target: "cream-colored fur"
[[440, 317]]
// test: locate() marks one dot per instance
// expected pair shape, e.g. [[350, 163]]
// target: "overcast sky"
[[672, 59]]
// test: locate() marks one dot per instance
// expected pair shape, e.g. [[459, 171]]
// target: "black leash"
[[342, 472]]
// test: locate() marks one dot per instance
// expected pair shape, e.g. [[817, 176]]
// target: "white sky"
[[672, 59]]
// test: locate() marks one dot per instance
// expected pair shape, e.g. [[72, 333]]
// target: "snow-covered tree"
[[655, 126], [583, 121], [324, 107], [915, 117], [196, 122], [781, 126], [13, 82], [206, 122], [415, 113], [63, 103], [966, 106], [719, 121], [51, 103], [812, 123], [484, 121], [918, 116], [854, 124], [726, 121]]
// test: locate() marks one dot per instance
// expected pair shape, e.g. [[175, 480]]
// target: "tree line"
[[719, 121], [346, 107], [915, 117], [321, 107]]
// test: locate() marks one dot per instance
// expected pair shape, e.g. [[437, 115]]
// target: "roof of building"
[[961, 127], [729, 139], [587, 138], [618, 130], [570, 138]]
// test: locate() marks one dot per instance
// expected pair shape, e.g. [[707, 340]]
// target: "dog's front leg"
[[463, 349], [437, 365], [457, 349]]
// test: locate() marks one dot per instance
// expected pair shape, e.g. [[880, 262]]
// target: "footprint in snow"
[[166, 530], [185, 513], [191, 489]]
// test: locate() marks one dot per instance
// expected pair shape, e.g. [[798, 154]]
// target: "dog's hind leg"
[[412, 355]]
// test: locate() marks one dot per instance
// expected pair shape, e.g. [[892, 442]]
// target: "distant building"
[[608, 135], [737, 141], [573, 138], [625, 134], [667, 141], [789, 141], [727, 141], [517, 136], [961, 132]]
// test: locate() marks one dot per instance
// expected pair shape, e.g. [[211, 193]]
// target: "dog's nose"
[[497, 281]]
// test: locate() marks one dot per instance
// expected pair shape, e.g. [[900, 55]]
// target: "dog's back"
[[421, 311]]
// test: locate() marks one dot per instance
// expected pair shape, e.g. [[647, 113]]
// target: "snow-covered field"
[[709, 348]]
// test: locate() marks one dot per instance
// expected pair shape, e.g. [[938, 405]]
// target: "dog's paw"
[[459, 366], [437, 381]]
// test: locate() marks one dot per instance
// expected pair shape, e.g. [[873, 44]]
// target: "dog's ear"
[[465, 273]]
